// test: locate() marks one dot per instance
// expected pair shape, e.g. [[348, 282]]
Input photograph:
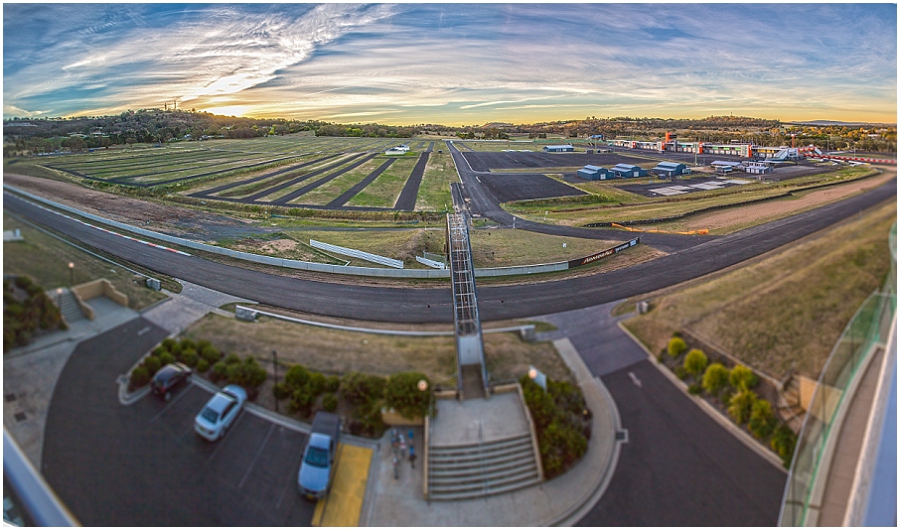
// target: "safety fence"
[[862, 337], [353, 253], [311, 266]]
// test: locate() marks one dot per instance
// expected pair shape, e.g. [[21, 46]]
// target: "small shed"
[[628, 170], [567, 148], [669, 169], [594, 173]]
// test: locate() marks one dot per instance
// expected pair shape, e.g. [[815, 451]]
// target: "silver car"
[[220, 412]]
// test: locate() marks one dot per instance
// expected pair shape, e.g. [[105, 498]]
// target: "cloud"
[[456, 63]]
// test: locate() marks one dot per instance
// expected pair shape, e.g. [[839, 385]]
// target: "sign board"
[[603, 253]]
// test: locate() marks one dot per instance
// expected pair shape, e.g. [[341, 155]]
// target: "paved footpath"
[[561, 501]]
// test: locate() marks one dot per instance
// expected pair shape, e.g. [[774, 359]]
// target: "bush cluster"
[[401, 393], [198, 356], [676, 347], [559, 420], [22, 316]]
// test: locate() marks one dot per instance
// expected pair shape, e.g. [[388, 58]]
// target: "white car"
[[220, 412]]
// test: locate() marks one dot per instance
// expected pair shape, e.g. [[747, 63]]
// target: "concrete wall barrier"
[[100, 287], [297, 264]]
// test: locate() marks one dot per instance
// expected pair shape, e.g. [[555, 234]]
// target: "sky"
[[454, 64]]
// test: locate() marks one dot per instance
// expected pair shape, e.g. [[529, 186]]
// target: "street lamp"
[[59, 297], [275, 366], [71, 274]]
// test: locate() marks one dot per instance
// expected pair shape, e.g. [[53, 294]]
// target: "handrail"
[[38, 500]]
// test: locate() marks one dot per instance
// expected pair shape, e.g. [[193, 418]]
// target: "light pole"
[[71, 274], [275, 366]]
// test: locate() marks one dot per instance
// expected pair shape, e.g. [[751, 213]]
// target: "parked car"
[[220, 412], [169, 377], [317, 465]]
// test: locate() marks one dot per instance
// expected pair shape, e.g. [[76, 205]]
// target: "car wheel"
[[168, 395]]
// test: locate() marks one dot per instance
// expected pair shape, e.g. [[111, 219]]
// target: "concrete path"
[[30, 374], [561, 501], [182, 309]]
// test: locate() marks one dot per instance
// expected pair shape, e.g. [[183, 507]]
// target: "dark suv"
[[168, 377]]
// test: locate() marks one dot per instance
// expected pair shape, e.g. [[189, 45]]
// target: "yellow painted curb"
[[343, 504]]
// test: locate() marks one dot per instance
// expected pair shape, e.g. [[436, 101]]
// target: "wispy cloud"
[[454, 63]]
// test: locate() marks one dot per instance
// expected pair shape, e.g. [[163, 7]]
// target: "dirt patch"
[[765, 211]]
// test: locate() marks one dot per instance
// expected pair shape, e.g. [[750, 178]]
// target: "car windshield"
[[317, 457], [209, 415]]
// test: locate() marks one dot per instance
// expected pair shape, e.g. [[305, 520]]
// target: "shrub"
[[248, 374], [762, 420], [742, 378], [139, 377], [681, 372], [202, 365], [220, 370], [316, 384], [783, 442], [168, 342], [332, 384], [189, 357], [695, 362], [715, 378], [201, 344], [676, 347], [280, 391], [166, 358], [330, 402], [695, 389], [159, 350], [301, 401], [541, 405], [296, 377], [368, 415], [560, 446], [403, 395], [187, 344], [359, 388], [232, 358], [740, 406], [209, 353], [567, 397], [152, 364]]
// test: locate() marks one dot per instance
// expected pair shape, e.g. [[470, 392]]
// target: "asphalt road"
[[413, 305], [679, 467], [143, 465]]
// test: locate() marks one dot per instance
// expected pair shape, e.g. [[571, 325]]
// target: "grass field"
[[575, 213], [331, 190], [384, 190], [46, 259], [434, 192], [337, 352], [786, 309]]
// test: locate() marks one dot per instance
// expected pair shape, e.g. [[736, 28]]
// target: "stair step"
[[483, 490], [479, 457], [466, 448], [484, 474], [450, 469]]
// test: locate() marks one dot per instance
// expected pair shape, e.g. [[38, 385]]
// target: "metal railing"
[[353, 253], [867, 330], [30, 492]]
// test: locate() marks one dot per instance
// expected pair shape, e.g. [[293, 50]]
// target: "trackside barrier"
[[353, 253], [431, 263], [310, 266]]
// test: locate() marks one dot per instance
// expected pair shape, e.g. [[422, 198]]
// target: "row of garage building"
[[662, 170]]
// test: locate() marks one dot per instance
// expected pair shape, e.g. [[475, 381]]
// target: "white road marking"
[[145, 330], [635, 380]]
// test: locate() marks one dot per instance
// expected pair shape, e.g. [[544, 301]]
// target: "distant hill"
[[832, 123]]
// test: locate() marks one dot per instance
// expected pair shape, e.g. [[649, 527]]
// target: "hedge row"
[[734, 388], [21, 317], [199, 356], [560, 420], [365, 395]]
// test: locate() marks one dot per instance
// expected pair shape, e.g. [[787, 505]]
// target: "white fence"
[[353, 253]]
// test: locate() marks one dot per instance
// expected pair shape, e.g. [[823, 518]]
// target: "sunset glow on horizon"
[[454, 64]]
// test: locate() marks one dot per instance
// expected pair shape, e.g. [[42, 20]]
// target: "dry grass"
[[784, 309], [338, 352]]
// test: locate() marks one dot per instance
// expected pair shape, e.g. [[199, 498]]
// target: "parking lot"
[[143, 464]]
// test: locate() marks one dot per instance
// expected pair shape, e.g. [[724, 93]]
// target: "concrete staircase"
[[480, 469], [68, 306]]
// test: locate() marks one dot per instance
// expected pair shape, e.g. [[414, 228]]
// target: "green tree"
[[742, 378], [741, 405], [676, 347], [695, 362], [715, 378]]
